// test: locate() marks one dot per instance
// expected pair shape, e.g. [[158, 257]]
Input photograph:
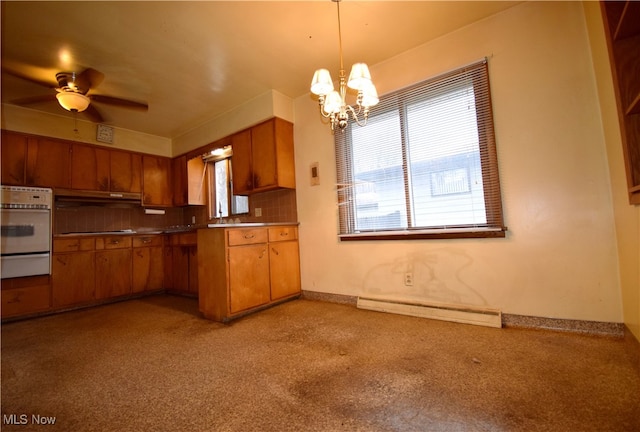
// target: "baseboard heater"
[[445, 312]]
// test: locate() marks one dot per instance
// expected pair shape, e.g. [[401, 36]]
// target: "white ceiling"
[[192, 61]]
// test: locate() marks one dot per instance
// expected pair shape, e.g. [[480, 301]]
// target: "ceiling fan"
[[72, 92]]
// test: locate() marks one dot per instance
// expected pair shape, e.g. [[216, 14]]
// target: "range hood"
[[104, 197]]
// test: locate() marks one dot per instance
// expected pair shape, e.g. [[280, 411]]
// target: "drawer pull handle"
[[284, 234], [114, 242], [275, 251], [249, 236]]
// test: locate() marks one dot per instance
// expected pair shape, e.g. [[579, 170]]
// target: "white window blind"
[[424, 165]]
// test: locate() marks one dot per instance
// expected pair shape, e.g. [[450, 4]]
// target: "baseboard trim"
[[330, 298], [609, 329], [565, 325]]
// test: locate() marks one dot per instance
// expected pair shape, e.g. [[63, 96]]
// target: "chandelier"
[[333, 104]]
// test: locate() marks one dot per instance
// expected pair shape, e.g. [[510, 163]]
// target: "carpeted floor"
[[154, 365]]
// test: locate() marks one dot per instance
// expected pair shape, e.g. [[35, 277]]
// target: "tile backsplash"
[[276, 206]]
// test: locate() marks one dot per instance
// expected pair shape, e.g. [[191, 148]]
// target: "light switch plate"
[[315, 174]]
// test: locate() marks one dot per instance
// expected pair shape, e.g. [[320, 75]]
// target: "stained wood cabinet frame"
[[622, 28]]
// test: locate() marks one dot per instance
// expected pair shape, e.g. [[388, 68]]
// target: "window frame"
[[494, 227]]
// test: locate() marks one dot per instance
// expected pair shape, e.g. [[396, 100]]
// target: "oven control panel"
[[24, 197]]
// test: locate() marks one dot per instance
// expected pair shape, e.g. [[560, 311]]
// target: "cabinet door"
[[48, 163], [180, 260], [73, 278], [113, 273], [125, 171], [284, 261], [14, 156], [89, 168], [241, 163], [180, 181], [196, 182], [156, 179], [263, 154], [148, 269], [193, 269], [248, 277]]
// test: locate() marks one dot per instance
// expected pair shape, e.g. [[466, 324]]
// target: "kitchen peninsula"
[[243, 268]]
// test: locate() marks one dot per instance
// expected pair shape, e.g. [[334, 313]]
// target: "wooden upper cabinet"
[[125, 171], [89, 168], [100, 169], [189, 182], [156, 181], [180, 181], [263, 158], [622, 25], [241, 163], [14, 158], [48, 163], [264, 154]]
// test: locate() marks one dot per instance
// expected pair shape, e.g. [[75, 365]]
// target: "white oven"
[[25, 229]]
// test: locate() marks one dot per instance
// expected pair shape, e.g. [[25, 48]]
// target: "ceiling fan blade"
[[18, 74], [124, 103], [92, 113], [88, 79], [34, 99]]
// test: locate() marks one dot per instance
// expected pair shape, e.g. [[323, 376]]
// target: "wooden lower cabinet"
[[148, 264], [113, 273], [25, 295], [245, 269], [248, 277], [73, 278], [181, 264], [284, 261]]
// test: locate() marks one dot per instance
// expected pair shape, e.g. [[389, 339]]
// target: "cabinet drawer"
[[184, 239], [247, 236], [74, 245], [283, 233], [19, 301], [144, 241], [116, 242]]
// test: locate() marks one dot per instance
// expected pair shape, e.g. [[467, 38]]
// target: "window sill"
[[454, 233]]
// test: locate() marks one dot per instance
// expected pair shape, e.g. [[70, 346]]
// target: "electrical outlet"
[[408, 279], [258, 211]]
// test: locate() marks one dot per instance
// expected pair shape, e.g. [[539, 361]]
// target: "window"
[[425, 164], [222, 201]]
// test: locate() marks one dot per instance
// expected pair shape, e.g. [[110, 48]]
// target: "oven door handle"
[[24, 254]]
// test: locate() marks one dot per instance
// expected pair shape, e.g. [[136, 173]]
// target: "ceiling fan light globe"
[[72, 101]]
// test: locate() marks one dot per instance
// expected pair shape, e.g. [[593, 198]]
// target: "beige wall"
[[560, 255], [25, 120], [627, 217]]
